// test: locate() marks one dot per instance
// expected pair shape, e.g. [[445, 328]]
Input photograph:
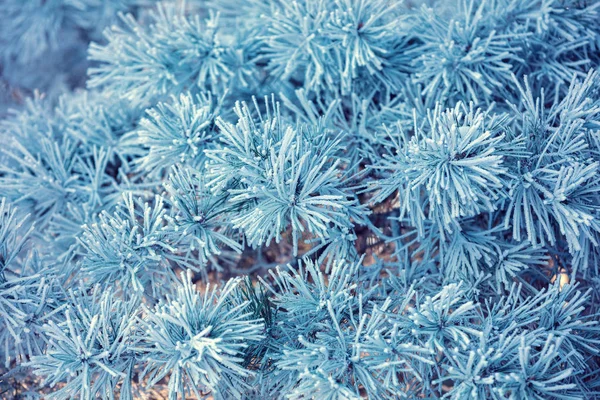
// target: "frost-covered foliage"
[[199, 340], [310, 199], [43, 43]]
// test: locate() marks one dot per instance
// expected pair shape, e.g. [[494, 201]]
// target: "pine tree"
[[310, 199]]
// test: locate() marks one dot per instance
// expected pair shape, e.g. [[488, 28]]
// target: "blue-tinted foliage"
[[128, 247], [279, 174], [198, 340], [173, 53], [199, 220], [54, 34], [363, 199], [178, 132], [90, 346]]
